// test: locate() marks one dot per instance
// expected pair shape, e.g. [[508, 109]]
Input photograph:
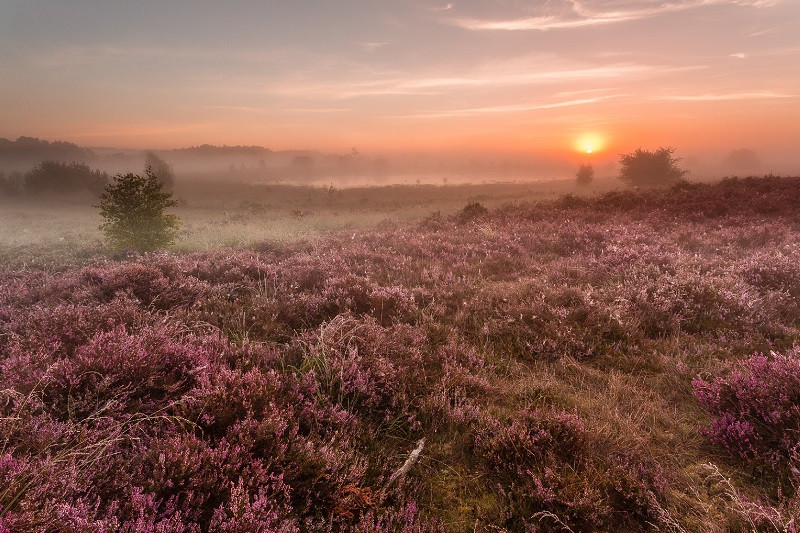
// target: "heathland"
[[409, 359]]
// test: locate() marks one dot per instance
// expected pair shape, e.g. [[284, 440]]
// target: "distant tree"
[[643, 167], [380, 168], [6, 185], [303, 165], [132, 208], [302, 162], [585, 174], [162, 170], [64, 177], [742, 160]]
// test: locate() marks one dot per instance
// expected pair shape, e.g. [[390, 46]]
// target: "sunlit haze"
[[569, 79]]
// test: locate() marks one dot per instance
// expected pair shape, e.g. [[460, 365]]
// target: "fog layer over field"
[[256, 164]]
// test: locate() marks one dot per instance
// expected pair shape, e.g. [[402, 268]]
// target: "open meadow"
[[457, 358], [54, 229]]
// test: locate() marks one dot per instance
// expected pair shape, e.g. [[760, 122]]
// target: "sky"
[[504, 76]]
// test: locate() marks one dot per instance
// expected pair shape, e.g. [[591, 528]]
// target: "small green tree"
[[132, 207], [643, 167], [585, 174]]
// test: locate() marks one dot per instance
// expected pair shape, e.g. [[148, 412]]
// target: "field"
[[420, 359], [216, 215]]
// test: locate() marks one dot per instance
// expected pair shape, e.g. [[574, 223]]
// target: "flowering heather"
[[544, 352], [542, 463], [757, 409]]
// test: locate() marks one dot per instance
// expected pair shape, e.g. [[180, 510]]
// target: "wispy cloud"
[[74, 55], [446, 7], [756, 95], [491, 78], [133, 129], [372, 46], [514, 108], [531, 23], [584, 14], [739, 55], [498, 76], [267, 109]]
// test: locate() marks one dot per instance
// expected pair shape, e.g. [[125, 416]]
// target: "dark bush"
[[643, 167], [472, 211], [54, 176]]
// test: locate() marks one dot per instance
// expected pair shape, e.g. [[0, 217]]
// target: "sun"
[[590, 143]]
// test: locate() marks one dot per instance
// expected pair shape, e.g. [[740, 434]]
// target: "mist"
[[309, 167]]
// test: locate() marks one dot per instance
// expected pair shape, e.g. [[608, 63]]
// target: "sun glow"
[[590, 143]]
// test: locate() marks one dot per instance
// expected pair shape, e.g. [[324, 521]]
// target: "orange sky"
[[515, 77]]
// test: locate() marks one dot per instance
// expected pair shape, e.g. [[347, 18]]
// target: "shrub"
[[585, 174], [64, 177], [643, 167], [534, 324], [756, 409], [472, 211], [693, 302], [543, 463], [133, 208]]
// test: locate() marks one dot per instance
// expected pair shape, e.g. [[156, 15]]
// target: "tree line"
[[51, 176]]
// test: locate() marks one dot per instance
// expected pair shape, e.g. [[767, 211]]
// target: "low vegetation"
[[624, 362]]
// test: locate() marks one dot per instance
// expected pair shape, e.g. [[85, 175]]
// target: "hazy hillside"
[[27, 151]]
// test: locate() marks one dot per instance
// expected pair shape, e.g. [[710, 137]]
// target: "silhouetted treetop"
[[585, 174], [160, 168], [60, 177], [657, 167]]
